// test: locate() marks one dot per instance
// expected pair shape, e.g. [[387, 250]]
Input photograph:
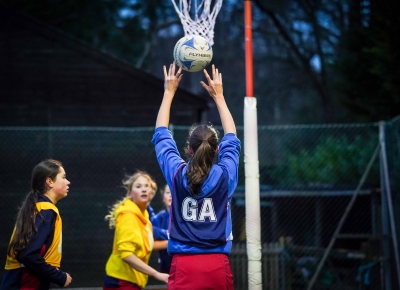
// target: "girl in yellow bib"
[[34, 252], [127, 267]]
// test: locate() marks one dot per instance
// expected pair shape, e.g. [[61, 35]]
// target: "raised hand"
[[214, 87], [171, 80]]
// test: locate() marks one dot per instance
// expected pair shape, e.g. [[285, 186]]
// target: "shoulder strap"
[[44, 205]]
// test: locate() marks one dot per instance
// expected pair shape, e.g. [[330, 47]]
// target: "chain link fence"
[[322, 219]]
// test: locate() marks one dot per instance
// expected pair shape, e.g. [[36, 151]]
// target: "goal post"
[[251, 162]]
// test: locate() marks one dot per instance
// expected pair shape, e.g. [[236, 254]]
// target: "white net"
[[198, 17]]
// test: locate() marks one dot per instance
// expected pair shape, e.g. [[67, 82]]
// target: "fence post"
[[388, 219]]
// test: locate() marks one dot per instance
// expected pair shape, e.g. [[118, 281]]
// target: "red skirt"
[[200, 272]]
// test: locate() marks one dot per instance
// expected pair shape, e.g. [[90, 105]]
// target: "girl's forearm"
[[160, 245], [164, 112], [226, 117], [139, 265]]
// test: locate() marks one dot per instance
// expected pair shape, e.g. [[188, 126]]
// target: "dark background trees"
[[315, 61], [368, 62]]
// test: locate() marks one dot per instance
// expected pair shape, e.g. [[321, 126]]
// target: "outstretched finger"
[[204, 85], [173, 68], [213, 71], [179, 77], [220, 77], [207, 76], [165, 72], [179, 71]]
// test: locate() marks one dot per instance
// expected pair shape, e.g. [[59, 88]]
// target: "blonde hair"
[[127, 182]]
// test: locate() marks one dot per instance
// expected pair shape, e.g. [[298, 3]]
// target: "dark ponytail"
[[203, 144], [25, 224]]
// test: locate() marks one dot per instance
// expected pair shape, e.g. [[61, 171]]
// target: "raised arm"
[[171, 82], [214, 88]]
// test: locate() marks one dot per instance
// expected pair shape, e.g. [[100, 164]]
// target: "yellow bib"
[[54, 252]]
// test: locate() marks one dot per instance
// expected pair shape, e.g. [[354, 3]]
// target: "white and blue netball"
[[193, 53]]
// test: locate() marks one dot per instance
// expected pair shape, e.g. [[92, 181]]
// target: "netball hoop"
[[198, 18]]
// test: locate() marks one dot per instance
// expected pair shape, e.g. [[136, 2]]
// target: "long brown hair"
[[202, 148], [25, 224]]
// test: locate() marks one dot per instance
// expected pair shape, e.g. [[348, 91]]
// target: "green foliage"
[[368, 64], [338, 161], [288, 37]]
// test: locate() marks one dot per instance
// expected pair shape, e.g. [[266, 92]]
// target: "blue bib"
[[199, 221]]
